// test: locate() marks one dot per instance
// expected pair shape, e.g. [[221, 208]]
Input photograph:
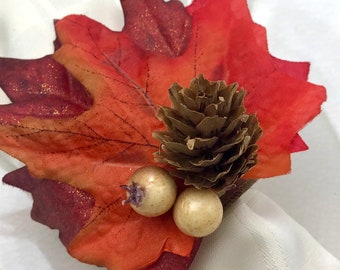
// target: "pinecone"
[[210, 139]]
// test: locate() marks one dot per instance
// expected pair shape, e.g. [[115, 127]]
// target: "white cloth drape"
[[257, 234]]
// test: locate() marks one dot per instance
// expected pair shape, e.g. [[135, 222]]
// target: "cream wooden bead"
[[151, 191], [198, 212]]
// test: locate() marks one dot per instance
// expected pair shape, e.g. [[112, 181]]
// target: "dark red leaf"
[[158, 27], [170, 261], [40, 88], [57, 205]]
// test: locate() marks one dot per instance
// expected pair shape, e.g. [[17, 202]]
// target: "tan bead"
[[198, 212], [159, 190]]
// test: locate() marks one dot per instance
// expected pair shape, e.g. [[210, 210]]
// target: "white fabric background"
[[256, 233]]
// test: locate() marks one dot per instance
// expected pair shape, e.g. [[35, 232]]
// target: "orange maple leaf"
[[127, 74]]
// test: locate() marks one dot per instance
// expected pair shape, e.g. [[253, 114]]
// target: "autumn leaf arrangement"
[[190, 90]]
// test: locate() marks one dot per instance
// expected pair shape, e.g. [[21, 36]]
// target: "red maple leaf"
[[95, 145]]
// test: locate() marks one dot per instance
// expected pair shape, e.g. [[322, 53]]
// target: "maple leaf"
[[98, 144]]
